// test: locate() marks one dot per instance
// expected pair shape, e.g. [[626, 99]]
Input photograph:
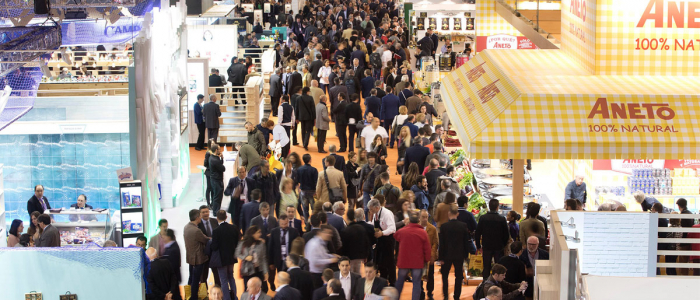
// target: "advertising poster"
[[420, 23], [432, 23], [504, 41], [257, 15], [217, 42], [445, 24], [266, 8], [195, 82], [457, 25]]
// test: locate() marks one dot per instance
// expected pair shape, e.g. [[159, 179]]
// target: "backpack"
[[375, 60], [479, 292], [391, 196]]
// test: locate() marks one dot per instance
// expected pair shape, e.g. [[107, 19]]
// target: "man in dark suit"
[[354, 115], [434, 38], [344, 276], [199, 120], [341, 125], [530, 258], [307, 116], [294, 101], [264, 221], [339, 160], [454, 238], [515, 266], [367, 83], [172, 252], [378, 283], [335, 92], [216, 176], [237, 188], [315, 66], [161, 278], [81, 203], [388, 110], [50, 237], [286, 291], [225, 239], [358, 238], [215, 80], [299, 279], [250, 210], [38, 202], [334, 290], [236, 75], [211, 113], [275, 91], [292, 221], [207, 227], [373, 104], [360, 56], [294, 80], [322, 292], [494, 229], [416, 153], [278, 247]]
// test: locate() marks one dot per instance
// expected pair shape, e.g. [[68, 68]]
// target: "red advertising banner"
[[627, 165], [503, 41]]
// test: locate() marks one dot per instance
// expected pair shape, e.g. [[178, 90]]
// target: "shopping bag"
[[476, 265], [201, 293]]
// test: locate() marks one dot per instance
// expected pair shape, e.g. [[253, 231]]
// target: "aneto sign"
[[503, 41], [627, 165]]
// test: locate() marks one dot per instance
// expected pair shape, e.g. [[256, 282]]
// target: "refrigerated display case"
[[81, 226]]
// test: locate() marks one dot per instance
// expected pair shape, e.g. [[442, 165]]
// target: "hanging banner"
[[503, 41], [100, 32]]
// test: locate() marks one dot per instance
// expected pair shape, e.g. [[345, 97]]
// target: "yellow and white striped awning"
[[544, 105]]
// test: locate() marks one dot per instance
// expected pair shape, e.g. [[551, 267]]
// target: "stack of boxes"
[[685, 182], [652, 182]]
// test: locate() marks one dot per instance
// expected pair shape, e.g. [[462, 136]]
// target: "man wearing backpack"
[[511, 291], [390, 192]]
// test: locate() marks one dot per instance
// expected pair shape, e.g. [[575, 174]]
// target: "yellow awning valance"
[[544, 105]]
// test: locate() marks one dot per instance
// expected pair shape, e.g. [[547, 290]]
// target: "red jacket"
[[414, 247]]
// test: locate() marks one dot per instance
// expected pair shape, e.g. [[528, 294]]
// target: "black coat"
[[289, 293], [274, 246], [341, 117], [373, 104], [33, 204], [268, 185], [354, 110], [377, 286], [216, 164], [320, 293], [515, 269], [215, 80], [236, 74], [294, 80], [417, 154], [225, 239], [492, 232], [307, 108], [162, 280], [314, 67], [172, 254], [214, 224], [356, 240], [301, 281], [336, 297], [453, 238], [211, 113], [249, 211]]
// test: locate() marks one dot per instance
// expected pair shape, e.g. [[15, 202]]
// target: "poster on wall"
[[432, 23], [257, 15], [247, 7], [420, 23], [266, 8], [423, 14], [195, 82], [445, 23], [216, 42], [457, 25]]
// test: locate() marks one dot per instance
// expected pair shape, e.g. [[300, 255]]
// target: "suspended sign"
[[100, 32], [503, 41]]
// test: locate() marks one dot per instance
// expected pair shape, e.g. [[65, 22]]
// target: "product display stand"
[[132, 214]]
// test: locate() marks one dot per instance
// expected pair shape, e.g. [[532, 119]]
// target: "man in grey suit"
[[322, 123], [275, 91], [50, 237], [254, 292], [212, 112], [265, 221]]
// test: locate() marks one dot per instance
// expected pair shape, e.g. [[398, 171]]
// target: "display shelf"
[[81, 224], [98, 230]]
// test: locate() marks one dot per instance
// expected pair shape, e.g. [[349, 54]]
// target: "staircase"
[[541, 38]]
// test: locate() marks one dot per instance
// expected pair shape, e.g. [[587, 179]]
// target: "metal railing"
[[685, 252], [535, 24]]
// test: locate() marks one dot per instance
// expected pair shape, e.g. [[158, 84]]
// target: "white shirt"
[[317, 254], [369, 133], [346, 282], [323, 74], [386, 221], [280, 135], [386, 57]]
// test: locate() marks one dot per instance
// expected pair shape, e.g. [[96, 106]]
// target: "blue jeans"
[[195, 276], [365, 199], [226, 275], [416, 275]]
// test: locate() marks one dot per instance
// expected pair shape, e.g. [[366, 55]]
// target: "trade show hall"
[[349, 149]]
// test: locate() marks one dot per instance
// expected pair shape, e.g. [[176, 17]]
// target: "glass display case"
[[78, 227]]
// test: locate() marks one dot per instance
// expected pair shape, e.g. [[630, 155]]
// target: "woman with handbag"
[[404, 141], [251, 252]]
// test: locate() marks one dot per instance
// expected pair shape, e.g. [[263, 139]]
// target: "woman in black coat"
[[351, 175]]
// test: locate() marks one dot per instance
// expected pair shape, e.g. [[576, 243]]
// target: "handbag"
[[334, 194], [68, 296], [33, 295]]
